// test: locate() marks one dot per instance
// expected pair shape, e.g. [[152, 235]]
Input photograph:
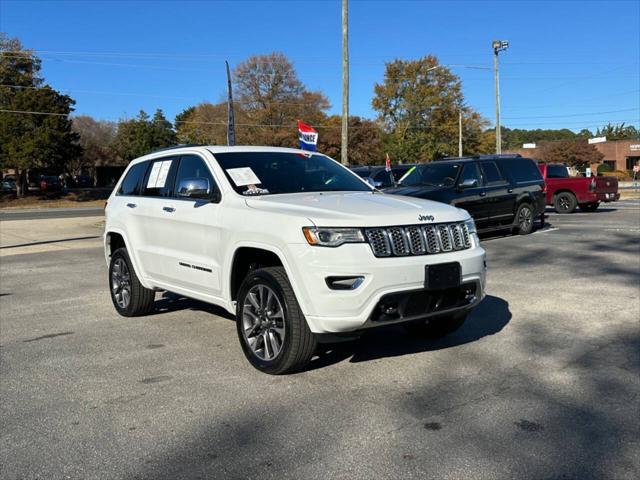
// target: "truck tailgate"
[[606, 184]]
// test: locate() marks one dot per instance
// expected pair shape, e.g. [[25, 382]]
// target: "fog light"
[[344, 283]]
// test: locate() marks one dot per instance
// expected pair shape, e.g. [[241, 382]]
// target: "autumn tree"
[[206, 123], [30, 140], [575, 153], [365, 142], [96, 138], [418, 104], [142, 135], [267, 89]]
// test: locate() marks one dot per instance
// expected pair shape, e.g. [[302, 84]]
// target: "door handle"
[[131, 205], [482, 194], [169, 209], [510, 190]]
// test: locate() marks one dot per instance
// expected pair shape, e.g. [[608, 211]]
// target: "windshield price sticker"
[[243, 176], [159, 173]]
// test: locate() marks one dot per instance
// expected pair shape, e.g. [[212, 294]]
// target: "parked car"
[[50, 183], [566, 193], [296, 246], [83, 181], [379, 177], [499, 191], [8, 185]]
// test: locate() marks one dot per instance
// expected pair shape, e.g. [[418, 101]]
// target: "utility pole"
[[344, 158], [460, 132], [498, 45]]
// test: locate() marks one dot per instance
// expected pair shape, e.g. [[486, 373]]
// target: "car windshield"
[[432, 174], [261, 173]]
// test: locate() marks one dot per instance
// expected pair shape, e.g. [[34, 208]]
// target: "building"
[[618, 154]]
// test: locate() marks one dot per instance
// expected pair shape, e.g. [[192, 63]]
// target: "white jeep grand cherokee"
[[295, 245]]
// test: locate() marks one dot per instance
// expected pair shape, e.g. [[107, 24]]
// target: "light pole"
[[460, 132], [344, 157], [498, 45]]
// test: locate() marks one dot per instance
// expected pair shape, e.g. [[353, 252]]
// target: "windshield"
[[432, 174], [261, 173]]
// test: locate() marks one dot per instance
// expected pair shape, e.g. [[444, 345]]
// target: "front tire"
[[524, 219], [436, 327], [565, 202], [129, 296], [273, 332], [589, 207]]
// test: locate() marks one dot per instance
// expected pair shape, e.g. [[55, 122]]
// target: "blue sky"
[[567, 63]]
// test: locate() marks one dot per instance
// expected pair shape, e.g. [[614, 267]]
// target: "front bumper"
[[335, 311]]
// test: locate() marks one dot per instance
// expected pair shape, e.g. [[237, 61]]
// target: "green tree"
[[618, 132], [514, 138], [418, 104], [142, 135], [30, 140], [575, 153]]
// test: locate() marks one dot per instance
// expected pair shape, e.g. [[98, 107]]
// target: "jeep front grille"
[[418, 239]]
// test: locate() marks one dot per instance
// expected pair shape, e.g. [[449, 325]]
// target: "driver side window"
[[470, 172]]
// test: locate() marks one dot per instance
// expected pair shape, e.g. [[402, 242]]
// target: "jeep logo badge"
[[426, 218]]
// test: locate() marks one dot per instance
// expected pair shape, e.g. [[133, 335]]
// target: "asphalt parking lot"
[[543, 381]]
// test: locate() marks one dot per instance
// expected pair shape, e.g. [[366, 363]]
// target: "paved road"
[[43, 213], [542, 382]]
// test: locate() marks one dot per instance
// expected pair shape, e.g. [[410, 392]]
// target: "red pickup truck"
[[565, 193]]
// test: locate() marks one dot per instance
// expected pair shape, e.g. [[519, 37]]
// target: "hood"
[[357, 209]]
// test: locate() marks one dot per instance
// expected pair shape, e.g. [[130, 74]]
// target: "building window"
[[631, 161]]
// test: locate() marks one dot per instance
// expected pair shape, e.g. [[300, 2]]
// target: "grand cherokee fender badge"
[[426, 218]]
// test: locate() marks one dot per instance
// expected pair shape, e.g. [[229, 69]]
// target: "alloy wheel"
[[121, 283], [525, 218], [263, 322]]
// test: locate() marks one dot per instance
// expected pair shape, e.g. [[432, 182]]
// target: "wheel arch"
[[115, 238], [246, 253]]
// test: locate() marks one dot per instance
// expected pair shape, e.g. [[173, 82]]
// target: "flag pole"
[[231, 125]]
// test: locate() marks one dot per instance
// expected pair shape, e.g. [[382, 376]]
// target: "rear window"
[[133, 181], [522, 170], [491, 172], [557, 171]]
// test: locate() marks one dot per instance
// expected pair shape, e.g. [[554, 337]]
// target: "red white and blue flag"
[[308, 136]]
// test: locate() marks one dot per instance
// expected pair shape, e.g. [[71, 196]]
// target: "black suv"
[[378, 176], [499, 191]]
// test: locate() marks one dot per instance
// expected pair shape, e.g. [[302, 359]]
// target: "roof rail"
[[488, 156], [182, 145]]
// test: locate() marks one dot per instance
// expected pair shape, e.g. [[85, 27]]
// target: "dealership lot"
[[542, 382]]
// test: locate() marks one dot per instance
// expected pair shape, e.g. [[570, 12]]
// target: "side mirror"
[[198, 188], [378, 184], [468, 183]]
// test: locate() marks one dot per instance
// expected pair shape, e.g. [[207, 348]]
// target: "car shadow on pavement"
[[488, 318], [172, 302]]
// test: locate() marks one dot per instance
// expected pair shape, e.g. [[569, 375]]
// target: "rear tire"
[[129, 296], [589, 207], [524, 219], [436, 327], [273, 332], [565, 202]]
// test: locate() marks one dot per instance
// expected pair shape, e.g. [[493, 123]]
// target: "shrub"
[[604, 168], [619, 174]]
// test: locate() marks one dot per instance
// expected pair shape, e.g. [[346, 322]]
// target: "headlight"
[[471, 226], [332, 237]]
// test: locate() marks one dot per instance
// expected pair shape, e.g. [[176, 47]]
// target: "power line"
[[452, 126]]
